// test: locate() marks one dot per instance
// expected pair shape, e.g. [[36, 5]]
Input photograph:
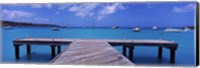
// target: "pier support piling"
[[28, 49], [16, 51], [59, 49], [160, 52], [131, 51], [52, 51], [172, 56], [124, 50]]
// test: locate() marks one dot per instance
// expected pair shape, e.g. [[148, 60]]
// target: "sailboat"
[[155, 28], [55, 29], [115, 27], [173, 30], [136, 29], [8, 27], [187, 29]]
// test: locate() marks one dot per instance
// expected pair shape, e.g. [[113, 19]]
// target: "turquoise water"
[[185, 54]]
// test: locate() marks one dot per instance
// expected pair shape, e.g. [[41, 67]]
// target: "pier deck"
[[102, 44], [87, 52]]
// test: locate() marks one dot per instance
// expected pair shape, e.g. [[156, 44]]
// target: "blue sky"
[[143, 14]]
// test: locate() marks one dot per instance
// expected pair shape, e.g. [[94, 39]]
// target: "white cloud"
[[16, 14], [95, 10], [110, 9], [48, 6], [36, 6], [186, 8], [84, 10], [22, 16], [41, 6]]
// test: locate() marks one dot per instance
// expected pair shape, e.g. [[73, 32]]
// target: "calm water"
[[185, 54]]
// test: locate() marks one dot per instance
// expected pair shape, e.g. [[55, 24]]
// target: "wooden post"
[[172, 55], [52, 51], [16, 51], [59, 49], [131, 53], [28, 49], [124, 51], [160, 52]]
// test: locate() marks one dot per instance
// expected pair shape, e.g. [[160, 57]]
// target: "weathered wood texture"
[[91, 52]]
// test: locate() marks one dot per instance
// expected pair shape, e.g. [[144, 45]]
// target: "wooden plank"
[[91, 52]]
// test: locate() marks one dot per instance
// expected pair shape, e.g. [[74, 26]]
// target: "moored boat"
[[155, 28], [115, 27], [173, 30], [136, 29], [55, 29]]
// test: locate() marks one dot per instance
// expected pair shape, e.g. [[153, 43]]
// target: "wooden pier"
[[91, 52], [94, 51]]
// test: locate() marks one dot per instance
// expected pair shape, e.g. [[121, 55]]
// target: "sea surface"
[[185, 54]]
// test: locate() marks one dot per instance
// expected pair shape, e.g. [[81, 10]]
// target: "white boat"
[[187, 29], [136, 29], [8, 27], [155, 28], [115, 27], [55, 29], [173, 30]]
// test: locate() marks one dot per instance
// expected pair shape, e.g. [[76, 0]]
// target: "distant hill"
[[24, 24]]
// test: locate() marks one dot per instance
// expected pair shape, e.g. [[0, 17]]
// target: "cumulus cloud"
[[41, 6], [95, 10], [84, 10], [110, 9], [22, 16], [186, 8], [48, 6], [16, 14]]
